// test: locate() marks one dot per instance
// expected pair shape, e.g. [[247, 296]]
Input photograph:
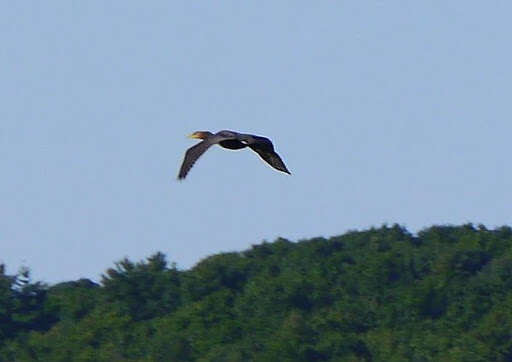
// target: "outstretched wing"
[[191, 156], [264, 148]]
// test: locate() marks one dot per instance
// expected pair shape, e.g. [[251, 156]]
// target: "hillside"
[[375, 295]]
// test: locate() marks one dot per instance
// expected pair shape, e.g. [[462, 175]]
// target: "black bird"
[[233, 141]]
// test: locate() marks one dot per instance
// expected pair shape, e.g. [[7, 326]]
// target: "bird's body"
[[233, 141]]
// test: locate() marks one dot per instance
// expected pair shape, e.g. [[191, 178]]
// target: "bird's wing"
[[264, 148], [191, 156]]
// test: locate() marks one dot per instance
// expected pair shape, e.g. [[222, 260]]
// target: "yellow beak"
[[193, 135]]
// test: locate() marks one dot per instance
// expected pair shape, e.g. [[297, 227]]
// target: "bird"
[[233, 141]]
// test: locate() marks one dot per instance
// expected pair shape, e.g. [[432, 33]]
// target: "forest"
[[382, 294]]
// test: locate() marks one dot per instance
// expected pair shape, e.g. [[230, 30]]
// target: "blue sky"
[[384, 112]]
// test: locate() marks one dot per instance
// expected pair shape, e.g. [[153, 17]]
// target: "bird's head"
[[200, 135]]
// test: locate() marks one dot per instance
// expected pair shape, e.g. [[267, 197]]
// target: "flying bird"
[[233, 141]]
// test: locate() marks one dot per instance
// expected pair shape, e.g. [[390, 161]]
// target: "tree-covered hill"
[[376, 295]]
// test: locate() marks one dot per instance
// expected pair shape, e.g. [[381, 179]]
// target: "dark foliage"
[[376, 295]]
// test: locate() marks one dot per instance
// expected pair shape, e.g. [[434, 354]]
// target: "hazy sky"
[[384, 112]]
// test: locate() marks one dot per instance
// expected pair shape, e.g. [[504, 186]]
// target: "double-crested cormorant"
[[233, 141]]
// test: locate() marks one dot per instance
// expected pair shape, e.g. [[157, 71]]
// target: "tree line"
[[381, 294]]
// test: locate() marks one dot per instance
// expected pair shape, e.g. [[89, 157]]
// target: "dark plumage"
[[233, 141]]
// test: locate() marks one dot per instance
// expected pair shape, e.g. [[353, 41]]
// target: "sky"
[[384, 112]]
